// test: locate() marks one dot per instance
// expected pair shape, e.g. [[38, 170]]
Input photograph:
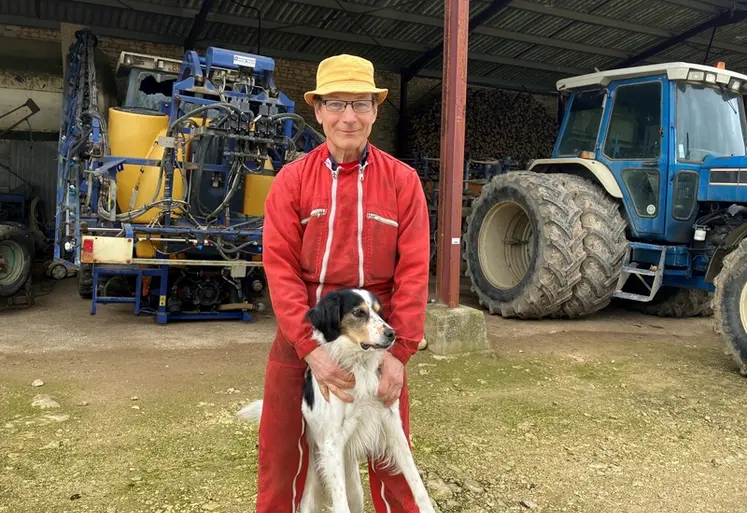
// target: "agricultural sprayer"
[[160, 200]]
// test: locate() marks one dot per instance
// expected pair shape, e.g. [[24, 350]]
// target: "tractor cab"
[[670, 136]]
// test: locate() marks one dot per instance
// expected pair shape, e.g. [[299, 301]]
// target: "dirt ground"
[[620, 412]]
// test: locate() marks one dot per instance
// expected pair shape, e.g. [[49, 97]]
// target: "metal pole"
[[456, 25]]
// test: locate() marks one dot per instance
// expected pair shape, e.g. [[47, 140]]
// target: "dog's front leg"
[[333, 469], [313, 494], [354, 486], [400, 450]]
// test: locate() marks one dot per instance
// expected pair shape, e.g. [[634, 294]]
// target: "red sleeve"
[[411, 275], [281, 241]]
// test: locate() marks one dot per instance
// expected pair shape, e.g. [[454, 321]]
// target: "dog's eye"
[[359, 313]]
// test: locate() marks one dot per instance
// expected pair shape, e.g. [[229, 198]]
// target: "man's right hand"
[[330, 376]]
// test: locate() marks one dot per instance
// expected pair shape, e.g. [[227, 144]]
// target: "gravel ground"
[[620, 413]]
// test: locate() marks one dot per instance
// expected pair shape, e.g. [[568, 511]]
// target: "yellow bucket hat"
[[345, 74]]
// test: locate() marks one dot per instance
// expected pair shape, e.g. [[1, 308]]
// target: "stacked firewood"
[[499, 124]]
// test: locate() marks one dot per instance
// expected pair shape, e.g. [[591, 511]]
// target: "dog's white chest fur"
[[359, 424]]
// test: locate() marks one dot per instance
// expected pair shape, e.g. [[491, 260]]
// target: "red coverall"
[[359, 224]]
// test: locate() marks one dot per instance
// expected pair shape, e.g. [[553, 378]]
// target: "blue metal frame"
[[194, 73]]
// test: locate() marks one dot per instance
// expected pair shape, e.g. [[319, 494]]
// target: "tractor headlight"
[[696, 75], [710, 78], [735, 85]]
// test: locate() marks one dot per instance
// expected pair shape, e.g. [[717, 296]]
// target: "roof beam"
[[723, 19], [484, 15], [695, 4]]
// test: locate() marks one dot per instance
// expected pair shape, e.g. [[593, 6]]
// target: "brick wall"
[[292, 77]]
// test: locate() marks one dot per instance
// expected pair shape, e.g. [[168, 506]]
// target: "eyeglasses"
[[359, 106]]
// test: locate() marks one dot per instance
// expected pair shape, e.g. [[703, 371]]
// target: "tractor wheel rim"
[[505, 245], [743, 307], [12, 253]]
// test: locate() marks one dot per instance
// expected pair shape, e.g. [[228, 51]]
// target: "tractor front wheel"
[[730, 305]]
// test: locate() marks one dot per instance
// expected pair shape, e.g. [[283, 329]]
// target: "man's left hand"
[[392, 378]]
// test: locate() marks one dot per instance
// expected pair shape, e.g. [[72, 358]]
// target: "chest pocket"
[[380, 228], [314, 231]]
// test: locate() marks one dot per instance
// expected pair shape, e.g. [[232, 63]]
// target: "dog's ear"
[[325, 316]]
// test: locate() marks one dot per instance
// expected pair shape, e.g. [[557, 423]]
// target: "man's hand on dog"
[[392, 378], [330, 376]]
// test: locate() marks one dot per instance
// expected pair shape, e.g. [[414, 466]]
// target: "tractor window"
[[580, 132], [643, 185], [635, 125], [709, 121]]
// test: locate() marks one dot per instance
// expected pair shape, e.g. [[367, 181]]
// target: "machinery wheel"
[[16, 252], [524, 245], [730, 305], [85, 281], [604, 244], [675, 302]]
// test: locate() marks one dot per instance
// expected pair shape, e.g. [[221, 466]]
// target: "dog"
[[340, 435]]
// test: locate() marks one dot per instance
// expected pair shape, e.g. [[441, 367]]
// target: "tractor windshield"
[[710, 120], [582, 126]]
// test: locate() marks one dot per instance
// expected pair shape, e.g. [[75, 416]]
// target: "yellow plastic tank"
[[256, 189], [134, 133]]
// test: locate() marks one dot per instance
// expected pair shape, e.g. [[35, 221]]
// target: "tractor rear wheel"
[[605, 245], [524, 245], [730, 305], [675, 302], [16, 252]]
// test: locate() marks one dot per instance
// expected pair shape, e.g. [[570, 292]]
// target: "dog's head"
[[355, 315]]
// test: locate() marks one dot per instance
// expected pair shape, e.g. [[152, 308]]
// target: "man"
[[345, 215]]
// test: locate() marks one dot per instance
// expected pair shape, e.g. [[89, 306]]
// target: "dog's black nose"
[[389, 333]]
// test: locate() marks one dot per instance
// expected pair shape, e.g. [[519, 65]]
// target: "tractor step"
[[631, 269]]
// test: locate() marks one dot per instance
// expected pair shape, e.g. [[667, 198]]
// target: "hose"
[[236, 169]]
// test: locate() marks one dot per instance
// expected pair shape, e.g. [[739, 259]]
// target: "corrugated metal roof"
[[394, 33]]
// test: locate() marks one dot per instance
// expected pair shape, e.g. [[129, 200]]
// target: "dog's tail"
[[251, 412]]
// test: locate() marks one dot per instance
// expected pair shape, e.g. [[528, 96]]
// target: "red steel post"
[[456, 25]]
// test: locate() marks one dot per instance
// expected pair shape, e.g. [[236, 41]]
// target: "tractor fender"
[[581, 167], [727, 246]]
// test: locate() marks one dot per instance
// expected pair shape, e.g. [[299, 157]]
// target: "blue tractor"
[[644, 199]]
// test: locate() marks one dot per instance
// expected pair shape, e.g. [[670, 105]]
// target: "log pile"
[[499, 124]]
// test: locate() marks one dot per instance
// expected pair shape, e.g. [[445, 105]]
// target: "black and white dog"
[[340, 434]]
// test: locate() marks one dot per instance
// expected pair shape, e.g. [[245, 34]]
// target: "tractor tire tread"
[[726, 306], [559, 251], [85, 281], [605, 245], [19, 234]]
